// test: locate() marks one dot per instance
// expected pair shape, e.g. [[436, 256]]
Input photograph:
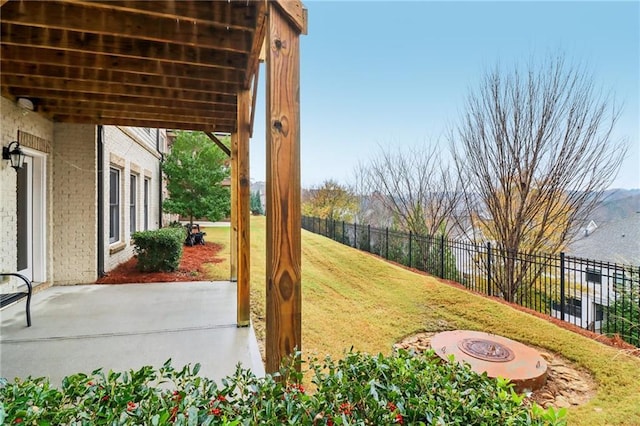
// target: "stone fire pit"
[[495, 355]]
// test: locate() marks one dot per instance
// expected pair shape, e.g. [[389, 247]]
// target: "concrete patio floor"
[[121, 327]]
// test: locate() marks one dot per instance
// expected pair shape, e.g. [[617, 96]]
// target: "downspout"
[[159, 178], [100, 212]]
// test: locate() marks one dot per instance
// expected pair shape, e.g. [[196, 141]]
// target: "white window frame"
[[115, 205], [147, 194], [133, 203]]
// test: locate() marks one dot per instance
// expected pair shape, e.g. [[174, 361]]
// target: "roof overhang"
[[166, 64]]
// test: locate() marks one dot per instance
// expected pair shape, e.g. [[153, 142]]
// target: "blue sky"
[[387, 73]]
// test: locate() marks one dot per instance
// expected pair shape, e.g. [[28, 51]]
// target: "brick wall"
[[12, 120], [131, 151], [74, 204], [71, 192]]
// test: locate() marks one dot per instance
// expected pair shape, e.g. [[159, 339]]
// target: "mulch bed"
[[191, 268]]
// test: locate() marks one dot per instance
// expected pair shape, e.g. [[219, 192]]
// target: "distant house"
[[598, 261], [616, 241]]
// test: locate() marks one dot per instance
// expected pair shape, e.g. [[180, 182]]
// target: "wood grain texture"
[[78, 59], [244, 240], [219, 143], [128, 79], [22, 35], [295, 12], [82, 17], [283, 292], [97, 60], [233, 258]]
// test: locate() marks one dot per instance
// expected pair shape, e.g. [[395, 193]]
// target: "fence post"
[[369, 238], [489, 268], [442, 256], [410, 249], [562, 296], [387, 243], [355, 235]]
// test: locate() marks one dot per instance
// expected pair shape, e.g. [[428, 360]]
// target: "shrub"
[[159, 250], [360, 389]]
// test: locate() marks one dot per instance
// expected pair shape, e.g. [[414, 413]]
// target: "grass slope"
[[350, 298]]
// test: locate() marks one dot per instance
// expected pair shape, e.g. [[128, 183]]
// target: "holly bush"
[[359, 389]]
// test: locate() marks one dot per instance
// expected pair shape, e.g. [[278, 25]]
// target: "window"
[[114, 205], [618, 282], [573, 306], [146, 204], [599, 312], [594, 276], [133, 197]]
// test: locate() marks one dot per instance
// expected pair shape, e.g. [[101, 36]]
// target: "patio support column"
[[242, 210], [233, 231], [283, 269]]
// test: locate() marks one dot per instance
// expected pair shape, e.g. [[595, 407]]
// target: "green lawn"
[[350, 298]]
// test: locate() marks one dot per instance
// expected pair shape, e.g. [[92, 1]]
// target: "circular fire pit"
[[495, 355]]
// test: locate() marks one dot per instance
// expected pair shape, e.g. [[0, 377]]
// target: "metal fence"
[[599, 296]]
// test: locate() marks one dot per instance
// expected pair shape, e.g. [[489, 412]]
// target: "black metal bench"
[[7, 299]]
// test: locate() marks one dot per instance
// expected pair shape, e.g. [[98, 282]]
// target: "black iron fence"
[[599, 296]]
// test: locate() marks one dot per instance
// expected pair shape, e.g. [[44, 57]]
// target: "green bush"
[[360, 389], [159, 250]]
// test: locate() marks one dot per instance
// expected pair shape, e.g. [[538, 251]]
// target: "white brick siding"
[[131, 150], [71, 228], [12, 119], [74, 204]]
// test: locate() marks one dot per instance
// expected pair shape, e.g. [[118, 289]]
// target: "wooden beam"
[[81, 107], [244, 188], [218, 142], [43, 55], [224, 14], [114, 89], [295, 12], [284, 296], [128, 79], [254, 97], [233, 258], [258, 42], [122, 121], [130, 24], [71, 96], [111, 114], [20, 35]]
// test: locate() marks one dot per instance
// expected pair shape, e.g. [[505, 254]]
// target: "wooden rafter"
[[89, 18], [55, 72], [218, 142], [172, 64], [74, 41], [46, 55]]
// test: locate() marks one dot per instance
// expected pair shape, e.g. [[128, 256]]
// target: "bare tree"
[[414, 186], [536, 152]]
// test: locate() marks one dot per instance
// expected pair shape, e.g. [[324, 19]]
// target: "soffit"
[[166, 64]]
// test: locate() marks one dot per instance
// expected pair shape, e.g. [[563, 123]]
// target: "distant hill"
[[617, 204]]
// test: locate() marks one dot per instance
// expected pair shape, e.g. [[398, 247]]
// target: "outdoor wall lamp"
[[15, 155]]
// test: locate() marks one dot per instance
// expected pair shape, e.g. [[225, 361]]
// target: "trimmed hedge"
[[159, 250], [401, 389]]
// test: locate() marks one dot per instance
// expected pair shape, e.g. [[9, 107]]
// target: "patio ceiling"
[[166, 64]]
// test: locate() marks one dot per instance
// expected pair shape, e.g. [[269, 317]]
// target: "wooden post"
[[242, 209], [284, 296], [233, 232]]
